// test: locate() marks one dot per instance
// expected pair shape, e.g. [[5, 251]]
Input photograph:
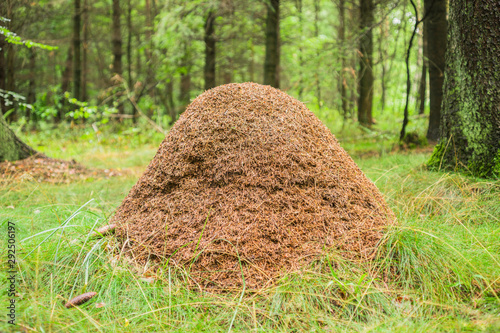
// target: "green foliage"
[[12, 38]]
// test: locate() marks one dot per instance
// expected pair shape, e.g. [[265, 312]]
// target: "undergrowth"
[[437, 269]]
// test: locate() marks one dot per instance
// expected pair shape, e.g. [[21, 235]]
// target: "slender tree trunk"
[[365, 83], [317, 74], [185, 91], [86, 29], [383, 62], [117, 39], [149, 33], [301, 56], [30, 99], [470, 118], [185, 82], [422, 90], [67, 73], [251, 65], [11, 81], [436, 49], [77, 64], [209, 51], [129, 46], [3, 86], [117, 44], [272, 60], [342, 78], [170, 100]]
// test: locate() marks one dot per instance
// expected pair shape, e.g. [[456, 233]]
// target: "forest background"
[[101, 82]]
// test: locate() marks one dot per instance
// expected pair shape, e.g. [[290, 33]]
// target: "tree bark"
[[11, 147], [272, 60], [342, 78], [209, 51], [66, 80], [117, 39], [129, 46], [30, 99], [436, 50], [86, 29], [470, 118], [3, 86], [422, 90], [365, 83], [77, 64]]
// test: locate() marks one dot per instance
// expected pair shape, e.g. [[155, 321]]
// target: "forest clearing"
[[269, 166]]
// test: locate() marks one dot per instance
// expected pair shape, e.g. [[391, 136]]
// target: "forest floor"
[[438, 269]]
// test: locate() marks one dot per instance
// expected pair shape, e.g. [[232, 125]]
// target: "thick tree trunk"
[[209, 51], [470, 118], [77, 63], [272, 60], [365, 83], [436, 50], [11, 147]]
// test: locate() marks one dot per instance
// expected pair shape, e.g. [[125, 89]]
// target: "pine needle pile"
[[249, 182]]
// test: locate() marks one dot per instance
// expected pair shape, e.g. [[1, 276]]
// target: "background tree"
[[210, 50], [77, 63], [365, 83], [272, 60], [470, 119], [435, 27]]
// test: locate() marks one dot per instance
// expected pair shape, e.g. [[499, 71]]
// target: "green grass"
[[438, 269]]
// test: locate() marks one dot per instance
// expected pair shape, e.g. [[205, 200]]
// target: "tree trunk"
[[129, 47], [30, 99], [11, 81], [66, 80], [117, 39], [185, 84], [77, 64], [342, 78], [422, 90], [317, 74], [272, 60], [209, 51], [149, 33], [11, 147], [436, 49], [170, 100], [300, 50], [2, 71], [365, 83], [470, 118], [86, 29]]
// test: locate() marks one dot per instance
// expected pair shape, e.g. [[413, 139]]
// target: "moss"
[[434, 162], [496, 165]]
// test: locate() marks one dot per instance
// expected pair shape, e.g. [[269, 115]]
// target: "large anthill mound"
[[248, 175]]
